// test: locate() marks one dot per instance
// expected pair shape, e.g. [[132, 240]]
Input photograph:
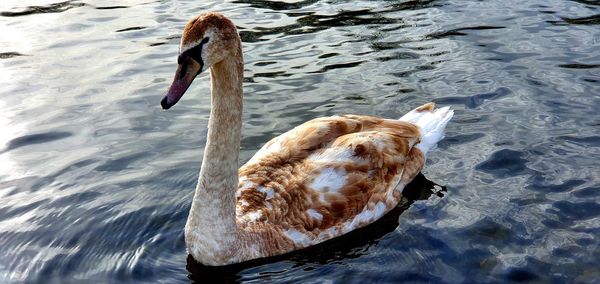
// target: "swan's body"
[[315, 182]]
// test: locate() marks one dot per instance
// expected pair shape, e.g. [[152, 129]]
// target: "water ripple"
[[460, 32], [475, 100], [579, 66], [504, 163], [51, 8], [130, 29], [111, 7], [33, 139], [591, 20], [5, 55]]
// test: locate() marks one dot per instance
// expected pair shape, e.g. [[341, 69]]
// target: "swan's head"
[[206, 40]]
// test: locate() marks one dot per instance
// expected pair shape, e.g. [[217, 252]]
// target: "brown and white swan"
[[320, 180]]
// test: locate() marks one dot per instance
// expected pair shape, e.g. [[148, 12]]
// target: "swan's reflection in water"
[[348, 246]]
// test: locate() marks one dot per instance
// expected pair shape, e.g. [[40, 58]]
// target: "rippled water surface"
[[96, 181]]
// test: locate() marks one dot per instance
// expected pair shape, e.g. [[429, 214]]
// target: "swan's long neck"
[[211, 224]]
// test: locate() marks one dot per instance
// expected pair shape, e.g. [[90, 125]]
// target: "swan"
[[322, 179]]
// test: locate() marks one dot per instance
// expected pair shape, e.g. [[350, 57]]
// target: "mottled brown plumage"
[[375, 152], [315, 182]]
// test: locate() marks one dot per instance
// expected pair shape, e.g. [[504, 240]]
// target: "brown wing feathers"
[[323, 173]]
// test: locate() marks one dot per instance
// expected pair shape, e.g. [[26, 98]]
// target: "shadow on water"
[[349, 246]]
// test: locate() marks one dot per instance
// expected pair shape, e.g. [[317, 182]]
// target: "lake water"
[[96, 180]]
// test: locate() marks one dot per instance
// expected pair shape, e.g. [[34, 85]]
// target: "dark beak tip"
[[164, 103]]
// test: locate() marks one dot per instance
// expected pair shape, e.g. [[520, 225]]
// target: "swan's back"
[[328, 176]]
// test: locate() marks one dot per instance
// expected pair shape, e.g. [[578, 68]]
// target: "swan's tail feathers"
[[431, 122]]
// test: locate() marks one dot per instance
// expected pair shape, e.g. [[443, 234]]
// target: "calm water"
[[96, 181]]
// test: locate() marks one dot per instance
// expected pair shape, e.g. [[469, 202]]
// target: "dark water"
[[96, 181]]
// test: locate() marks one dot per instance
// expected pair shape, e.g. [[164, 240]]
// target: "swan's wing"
[[328, 176]]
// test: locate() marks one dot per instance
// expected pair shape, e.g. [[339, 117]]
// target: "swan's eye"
[[194, 53]]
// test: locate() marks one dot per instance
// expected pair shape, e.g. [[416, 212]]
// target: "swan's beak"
[[184, 76]]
